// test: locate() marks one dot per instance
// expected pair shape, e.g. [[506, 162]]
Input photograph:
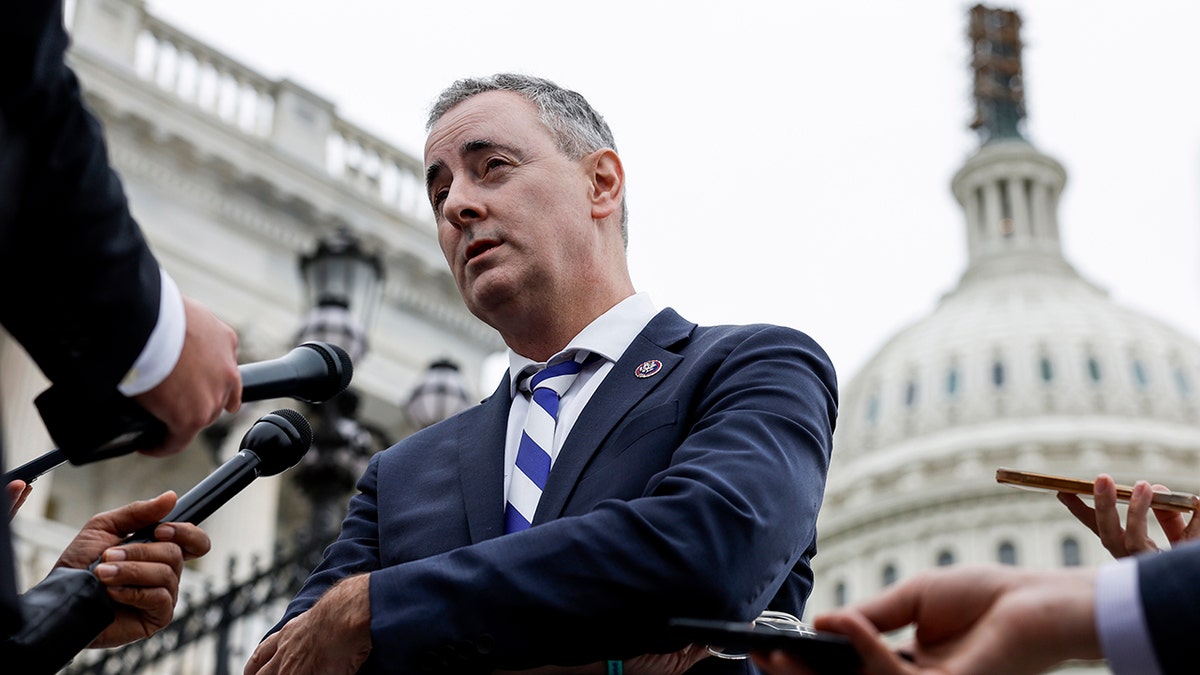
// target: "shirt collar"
[[608, 335]]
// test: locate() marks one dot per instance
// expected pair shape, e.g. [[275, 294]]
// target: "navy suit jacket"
[[1169, 584], [690, 493]]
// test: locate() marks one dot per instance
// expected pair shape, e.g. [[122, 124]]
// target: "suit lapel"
[[481, 463], [620, 391]]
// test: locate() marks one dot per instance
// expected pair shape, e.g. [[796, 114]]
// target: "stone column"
[[109, 28], [302, 124]]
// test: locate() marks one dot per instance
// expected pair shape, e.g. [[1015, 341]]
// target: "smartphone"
[[1169, 501], [823, 653]]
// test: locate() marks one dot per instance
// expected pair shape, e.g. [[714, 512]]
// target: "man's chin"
[[485, 297]]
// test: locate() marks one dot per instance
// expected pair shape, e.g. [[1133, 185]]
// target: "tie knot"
[[557, 378]]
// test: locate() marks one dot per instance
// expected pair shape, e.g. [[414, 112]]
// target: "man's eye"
[[437, 199], [496, 163]]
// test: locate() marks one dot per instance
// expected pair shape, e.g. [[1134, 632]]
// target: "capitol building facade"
[[1024, 365], [235, 178]]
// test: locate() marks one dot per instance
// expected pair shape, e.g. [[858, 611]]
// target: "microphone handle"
[[208, 495], [31, 470]]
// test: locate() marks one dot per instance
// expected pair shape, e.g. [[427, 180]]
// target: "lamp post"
[[440, 393], [343, 284]]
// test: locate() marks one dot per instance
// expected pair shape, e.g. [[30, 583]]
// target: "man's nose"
[[463, 205]]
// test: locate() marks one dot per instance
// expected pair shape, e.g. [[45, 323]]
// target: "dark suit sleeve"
[[715, 533], [1169, 584], [82, 287]]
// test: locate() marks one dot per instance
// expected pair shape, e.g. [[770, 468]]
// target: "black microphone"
[[274, 444], [65, 612], [313, 372]]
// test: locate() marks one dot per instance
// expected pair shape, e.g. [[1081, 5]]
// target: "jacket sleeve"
[[82, 285], [1169, 584]]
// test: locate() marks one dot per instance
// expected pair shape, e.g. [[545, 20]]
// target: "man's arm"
[[1168, 584], [90, 290]]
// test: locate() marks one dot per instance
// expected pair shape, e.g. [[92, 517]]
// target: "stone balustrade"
[[294, 121]]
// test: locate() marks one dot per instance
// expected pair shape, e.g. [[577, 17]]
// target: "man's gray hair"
[[576, 126]]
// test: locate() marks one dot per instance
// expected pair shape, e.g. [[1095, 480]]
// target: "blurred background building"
[[290, 223], [293, 223], [1024, 364]]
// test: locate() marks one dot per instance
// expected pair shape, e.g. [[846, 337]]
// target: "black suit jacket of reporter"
[[1169, 584], [693, 492], [81, 287]]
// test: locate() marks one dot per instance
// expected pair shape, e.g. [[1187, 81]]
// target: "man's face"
[[512, 211]]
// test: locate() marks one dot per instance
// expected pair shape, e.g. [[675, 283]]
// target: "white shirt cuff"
[[1121, 621], [162, 349]]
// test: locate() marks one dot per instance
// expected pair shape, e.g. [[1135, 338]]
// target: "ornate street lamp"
[[440, 393], [343, 284]]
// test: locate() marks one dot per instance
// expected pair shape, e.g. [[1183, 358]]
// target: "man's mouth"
[[479, 247]]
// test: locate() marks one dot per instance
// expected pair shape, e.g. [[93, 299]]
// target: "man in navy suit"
[[688, 462]]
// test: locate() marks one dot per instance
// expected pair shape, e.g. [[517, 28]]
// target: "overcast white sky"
[[790, 162]]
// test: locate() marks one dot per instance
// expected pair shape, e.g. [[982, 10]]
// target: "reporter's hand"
[[974, 620], [204, 382], [16, 492], [1105, 521], [143, 579]]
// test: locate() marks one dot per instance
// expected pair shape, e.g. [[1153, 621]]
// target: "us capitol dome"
[[1025, 364]]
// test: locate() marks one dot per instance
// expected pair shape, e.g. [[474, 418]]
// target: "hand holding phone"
[[1182, 502]]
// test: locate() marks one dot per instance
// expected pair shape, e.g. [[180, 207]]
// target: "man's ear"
[[607, 182]]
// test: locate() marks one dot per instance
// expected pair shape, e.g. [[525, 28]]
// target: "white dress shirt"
[[609, 335], [162, 348]]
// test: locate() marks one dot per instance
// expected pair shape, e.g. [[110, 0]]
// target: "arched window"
[[1139, 374], [839, 594], [952, 382], [1070, 552], [1006, 553], [910, 394], [945, 559], [1095, 374], [873, 410], [998, 374], [1046, 368], [889, 575], [1183, 383]]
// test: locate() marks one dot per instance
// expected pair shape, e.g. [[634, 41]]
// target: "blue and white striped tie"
[[537, 443]]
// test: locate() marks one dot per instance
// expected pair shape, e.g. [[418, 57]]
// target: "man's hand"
[[969, 621], [332, 638], [142, 578], [16, 492], [1132, 539], [204, 382]]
